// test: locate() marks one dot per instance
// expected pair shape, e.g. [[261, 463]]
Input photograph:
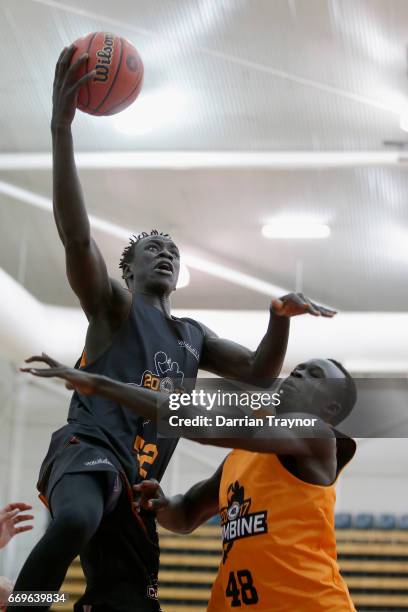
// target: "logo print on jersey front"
[[236, 520], [190, 348], [168, 378]]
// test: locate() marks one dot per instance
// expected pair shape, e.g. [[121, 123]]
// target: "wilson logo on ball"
[[118, 75], [104, 59]]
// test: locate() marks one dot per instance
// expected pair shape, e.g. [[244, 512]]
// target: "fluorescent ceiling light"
[[233, 276], [295, 229], [29, 197], [184, 276], [196, 263], [152, 111], [404, 120]]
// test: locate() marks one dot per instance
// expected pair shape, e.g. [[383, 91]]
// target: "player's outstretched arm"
[[86, 269], [296, 440], [316, 440], [181, 513], [231, 360]]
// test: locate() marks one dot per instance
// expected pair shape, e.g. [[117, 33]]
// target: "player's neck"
[[161, 302]]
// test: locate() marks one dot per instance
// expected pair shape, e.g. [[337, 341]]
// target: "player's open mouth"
[[289, 386], [165, 267]]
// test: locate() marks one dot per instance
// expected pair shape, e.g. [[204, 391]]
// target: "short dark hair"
[[128, 251], [351, 393]]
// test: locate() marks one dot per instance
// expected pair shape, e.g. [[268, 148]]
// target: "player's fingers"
[[45, 372], [51, 362], [65, 60], [58, 64], [87, 77], [146, 485], [23, 528], [308, 305], [34, 358], [157, 504], [17, 506], [44, 358], [298, 299], [23, 517], [325, 312], [313, 311], [73, 69], [300, 305], [10, 515]]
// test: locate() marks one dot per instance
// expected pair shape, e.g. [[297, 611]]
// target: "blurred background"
[[270, 141]]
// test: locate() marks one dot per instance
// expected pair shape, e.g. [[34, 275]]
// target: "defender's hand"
[[10, 517], [295, 304], [149, 496], [66, 87], [83, 382]]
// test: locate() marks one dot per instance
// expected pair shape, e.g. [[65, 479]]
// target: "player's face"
[[156, 265], [315, 386]]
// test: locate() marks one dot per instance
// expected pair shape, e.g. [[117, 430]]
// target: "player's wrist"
[[277, 318], [60, 126]]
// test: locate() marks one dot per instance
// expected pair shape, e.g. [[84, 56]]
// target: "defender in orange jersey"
[[277, 505], [275, 493]]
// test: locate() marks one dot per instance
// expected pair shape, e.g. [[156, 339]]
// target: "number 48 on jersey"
[[241, 589]]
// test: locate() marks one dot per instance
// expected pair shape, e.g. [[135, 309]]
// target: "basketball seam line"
[[87, 68], [129, 94], [94, 110]]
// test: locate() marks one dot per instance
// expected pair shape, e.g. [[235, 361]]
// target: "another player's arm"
[[231, 360], [315, 440], [86, 268], [181, 513]]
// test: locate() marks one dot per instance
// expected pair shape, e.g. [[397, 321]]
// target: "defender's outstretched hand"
[[294, 304], [10, 517], [83, 382], [66, 86]]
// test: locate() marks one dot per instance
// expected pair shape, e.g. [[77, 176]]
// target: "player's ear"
[[332, 412], [127, 273]]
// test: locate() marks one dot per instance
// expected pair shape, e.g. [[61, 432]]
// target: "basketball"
[[119, 73]]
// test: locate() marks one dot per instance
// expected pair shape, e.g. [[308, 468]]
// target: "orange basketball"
[[119, 73]]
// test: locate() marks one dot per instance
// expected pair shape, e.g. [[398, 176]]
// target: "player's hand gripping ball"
[[118, 74]]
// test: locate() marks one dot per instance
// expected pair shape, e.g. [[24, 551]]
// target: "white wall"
[[28, 415], [376, 480]]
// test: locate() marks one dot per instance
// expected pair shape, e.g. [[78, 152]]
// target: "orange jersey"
[[279, 544]]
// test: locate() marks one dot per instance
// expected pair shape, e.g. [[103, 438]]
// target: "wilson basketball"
[[119, 73]]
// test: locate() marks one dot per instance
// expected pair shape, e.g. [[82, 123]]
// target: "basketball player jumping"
[[275, 493], [105, 448]]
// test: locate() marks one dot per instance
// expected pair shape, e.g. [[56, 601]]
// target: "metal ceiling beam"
[[185, 160], [203, 264]]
